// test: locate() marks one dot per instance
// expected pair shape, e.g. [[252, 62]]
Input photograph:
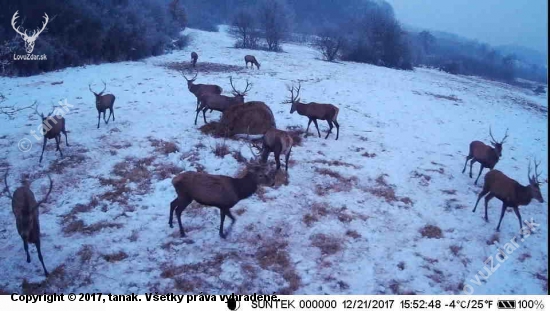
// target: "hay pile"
[[253, 118]]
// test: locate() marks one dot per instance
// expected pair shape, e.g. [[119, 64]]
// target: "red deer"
[[102, 103], [252, 60], [199, 89], [220, 191], [314, 111], [276, 141], [25, 209], [194, 57], [510, 192], [486, 156], [221, 102], [52, 127]]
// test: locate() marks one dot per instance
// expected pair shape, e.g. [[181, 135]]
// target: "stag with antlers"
[[510, 192], [486, 156], [52, 127], [220, 102], [25, 210], [29, 39], [199, 89], [102, 103], [314, 111]]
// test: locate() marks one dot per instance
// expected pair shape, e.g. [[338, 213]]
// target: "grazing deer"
[[194, 57], [220, 191], [25, 209], [221, 102], [486, 156], [252, 60], [314, 111], [52, 127], [510, 192], [199, 89], [276, 141], [102, 103]]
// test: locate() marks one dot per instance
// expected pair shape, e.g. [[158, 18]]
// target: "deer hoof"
[[171, 226], [487, 220], [223, 236]]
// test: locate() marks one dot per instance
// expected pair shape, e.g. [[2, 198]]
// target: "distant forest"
[[95, 31]]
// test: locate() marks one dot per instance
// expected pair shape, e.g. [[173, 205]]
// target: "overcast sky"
[[497, 22]]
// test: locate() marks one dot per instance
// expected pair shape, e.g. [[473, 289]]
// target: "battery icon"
[[506, 304]]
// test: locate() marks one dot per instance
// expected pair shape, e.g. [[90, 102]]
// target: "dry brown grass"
[[449, 192], [212, 128], [386, 191], [273, 255], [431, 232], [369, 155], [78, 226], [328, 245], [115, 257], [353, 234], [221, 149], [494, 238], [205, 68], [238, 156], [446, 97], [424, 180], [59, 165], [163, 147], [338, 184], [85, 253], [336, 163], [455, 249]]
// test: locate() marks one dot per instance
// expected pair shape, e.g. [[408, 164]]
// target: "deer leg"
[[337, 128], [516, 210], [466, 163], [222, 219], [113, 112], [480, 170], [40, 256], [287, 157], [182, 204], [487, 199], [329, 128], [58, 140], [66, 139], [471, 165], [26, 247], [173, 206], [481, 194], [104, 117], [317, 127], [501, 215], [43, 148], [308, 124], [98, 118], [228, 213], [278, 158], [198, 110]]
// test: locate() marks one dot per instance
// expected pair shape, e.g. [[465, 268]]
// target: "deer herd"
[[224, 192]]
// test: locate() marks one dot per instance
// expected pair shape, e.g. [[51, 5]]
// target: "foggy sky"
[[497, 22]]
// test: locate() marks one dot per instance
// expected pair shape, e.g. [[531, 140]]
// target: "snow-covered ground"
[[350, 221]]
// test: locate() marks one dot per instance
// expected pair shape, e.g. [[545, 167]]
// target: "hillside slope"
[[359, 216]]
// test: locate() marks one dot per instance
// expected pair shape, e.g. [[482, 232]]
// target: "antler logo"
[[29, 40]]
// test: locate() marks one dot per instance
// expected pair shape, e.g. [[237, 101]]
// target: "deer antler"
[[192, 79], [251, 144], [48, 194], [41, 115], [37, 32], [493, 140], [104, 87], [13, 19], [505, 136], [7, 189]]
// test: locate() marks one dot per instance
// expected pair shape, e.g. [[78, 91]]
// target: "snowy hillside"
[[385, 209]]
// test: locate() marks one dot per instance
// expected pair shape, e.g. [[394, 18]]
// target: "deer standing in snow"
[[487, 156]]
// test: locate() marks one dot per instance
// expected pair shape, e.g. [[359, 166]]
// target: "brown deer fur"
[[252, 60], [315, 111], [220, 191], [279, 142], [194, 57], [486, 156], [220, 102], [52, 127], [253, 117], [25, 210], [199, 89], [102, 103], [510, 192]]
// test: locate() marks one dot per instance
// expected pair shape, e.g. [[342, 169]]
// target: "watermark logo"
[[29, 39]]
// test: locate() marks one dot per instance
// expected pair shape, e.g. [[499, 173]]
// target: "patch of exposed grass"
[[353, 234], [78, 226], [431, 232], [221, 149], [115, 257], [328, 245], [163, 147], [297, 134], [383, 190], [205, 68], [273, 255], [342, 184], [455, 249], [336, 163], [446, 97], [369, 155]]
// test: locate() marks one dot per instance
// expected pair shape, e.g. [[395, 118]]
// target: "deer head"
[[534, 183], [189, 81], [29, 39], [98, 95], [238, 94], [294, 99], [496, 144]]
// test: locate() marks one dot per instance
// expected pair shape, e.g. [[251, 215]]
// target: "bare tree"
[[274, 17], [329, 41], [10, 111], [244, 29]]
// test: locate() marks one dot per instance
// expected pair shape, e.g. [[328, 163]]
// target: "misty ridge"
[[94, 31]]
